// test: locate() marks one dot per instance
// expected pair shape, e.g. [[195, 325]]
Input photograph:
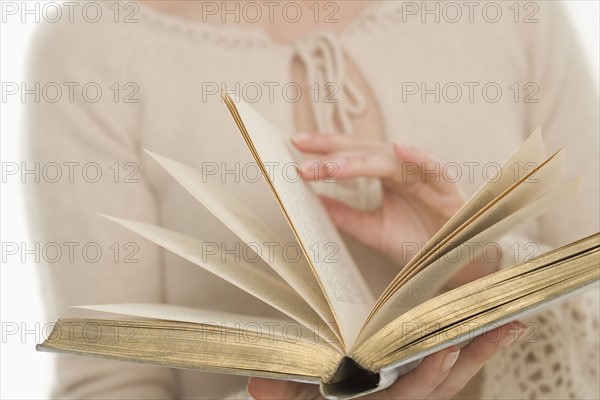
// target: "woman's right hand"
[[416, 201]]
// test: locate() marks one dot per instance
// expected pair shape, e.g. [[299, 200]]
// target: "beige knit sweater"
[[170, 69]]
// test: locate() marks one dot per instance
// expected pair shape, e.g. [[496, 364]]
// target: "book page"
[[247, 351], [171, 312], [517, 305], [254, 232], [537, 182], [425, 283], [342, 283], [513, 200], [240, 273], [529, 156], [494, 297]]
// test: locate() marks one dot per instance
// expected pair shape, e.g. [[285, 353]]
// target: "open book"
[[338, 334]]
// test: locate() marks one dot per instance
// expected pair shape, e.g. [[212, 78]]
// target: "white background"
[[24, 373]]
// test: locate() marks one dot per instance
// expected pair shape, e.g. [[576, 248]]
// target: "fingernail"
[[248, 389], [449, 360], [398, 150], [301, 137], [523, 329], [510, 337]]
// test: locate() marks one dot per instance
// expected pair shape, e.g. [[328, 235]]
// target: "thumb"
[[273, 389], [363, 226]]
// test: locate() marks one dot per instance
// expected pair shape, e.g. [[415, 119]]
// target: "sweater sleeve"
[[82, 138], [559, 356]]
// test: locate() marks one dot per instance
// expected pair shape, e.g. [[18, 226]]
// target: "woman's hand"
[[417, 201], [439, 376]]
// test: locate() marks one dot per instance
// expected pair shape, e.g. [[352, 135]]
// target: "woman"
[[466, 90]]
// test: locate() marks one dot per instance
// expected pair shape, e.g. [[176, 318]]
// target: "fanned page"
[[252, 231], [427, 282], [512, 200], [529, 156], [481, 305], [172, 312], [345, 288], [180, 337], [242, 274]]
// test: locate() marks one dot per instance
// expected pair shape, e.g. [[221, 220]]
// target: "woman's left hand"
[[439, 376]]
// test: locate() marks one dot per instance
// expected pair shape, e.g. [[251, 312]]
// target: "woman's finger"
[[475, 355], [439, 376], [402, 167], [347, 164], [273, 389], [423, 380], [418, 166], [323, 144]]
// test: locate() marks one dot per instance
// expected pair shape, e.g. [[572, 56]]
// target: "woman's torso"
[[181, 66]]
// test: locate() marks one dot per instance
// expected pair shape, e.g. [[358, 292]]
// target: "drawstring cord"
[[323, 59]]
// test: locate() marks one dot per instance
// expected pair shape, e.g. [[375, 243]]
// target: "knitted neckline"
[[232, 36], [322, 55]]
